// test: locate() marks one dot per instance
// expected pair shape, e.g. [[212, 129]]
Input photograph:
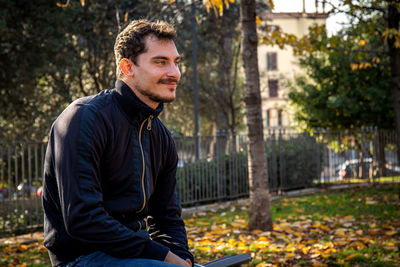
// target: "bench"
[[229, 261]]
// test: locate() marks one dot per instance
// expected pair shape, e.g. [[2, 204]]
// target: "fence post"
[[273, 163], [317, 154], [282, 176]]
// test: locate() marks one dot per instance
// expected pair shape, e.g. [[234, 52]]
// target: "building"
[[278, 66]]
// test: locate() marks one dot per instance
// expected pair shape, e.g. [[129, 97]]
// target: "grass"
[[354, 227]]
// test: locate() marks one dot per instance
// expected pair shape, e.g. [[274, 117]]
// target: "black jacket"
[[109, 172]]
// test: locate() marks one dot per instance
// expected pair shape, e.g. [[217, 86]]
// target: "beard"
[[153, 95]]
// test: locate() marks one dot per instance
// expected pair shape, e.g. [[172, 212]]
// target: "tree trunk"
[[225, 57], [260, 213], [394, 54]]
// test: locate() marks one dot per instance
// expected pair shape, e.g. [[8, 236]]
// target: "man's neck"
[[142, 97]]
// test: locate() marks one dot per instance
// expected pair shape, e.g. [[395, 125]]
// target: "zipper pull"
[[149, 122]]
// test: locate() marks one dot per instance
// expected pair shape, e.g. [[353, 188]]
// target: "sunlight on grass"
[[346, 228]]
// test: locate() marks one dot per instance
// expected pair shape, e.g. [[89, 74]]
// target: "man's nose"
[[174, 71]]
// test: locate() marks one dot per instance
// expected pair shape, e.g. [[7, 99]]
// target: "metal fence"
[[214, 168]]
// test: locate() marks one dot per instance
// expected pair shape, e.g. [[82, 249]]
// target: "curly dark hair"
[[130, 42]]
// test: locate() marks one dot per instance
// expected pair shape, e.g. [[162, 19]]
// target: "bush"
[[293, 162], [220, 178]]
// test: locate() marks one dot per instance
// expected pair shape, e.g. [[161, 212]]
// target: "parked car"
[[25, 189], [351, 168]]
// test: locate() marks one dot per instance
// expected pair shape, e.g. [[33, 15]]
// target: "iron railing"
[[219, 172]]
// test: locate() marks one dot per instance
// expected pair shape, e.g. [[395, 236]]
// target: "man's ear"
[[126, 67]]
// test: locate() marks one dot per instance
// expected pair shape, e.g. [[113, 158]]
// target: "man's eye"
[[160, 62]]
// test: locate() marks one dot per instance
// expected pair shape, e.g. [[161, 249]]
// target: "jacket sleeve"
[[79, 137], [165, 223]]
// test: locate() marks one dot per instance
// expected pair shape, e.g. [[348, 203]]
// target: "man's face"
[[156, 73]]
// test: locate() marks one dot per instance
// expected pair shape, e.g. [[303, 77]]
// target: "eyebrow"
[[165, 58]]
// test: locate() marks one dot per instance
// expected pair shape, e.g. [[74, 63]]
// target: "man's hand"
[[173, 258]]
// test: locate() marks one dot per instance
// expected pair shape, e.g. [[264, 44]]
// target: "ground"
[[354, 227]]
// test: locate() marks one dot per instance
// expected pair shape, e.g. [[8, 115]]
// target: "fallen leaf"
[[350, 257], [390, 233]]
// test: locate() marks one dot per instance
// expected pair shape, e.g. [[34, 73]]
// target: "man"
[[109, 193]]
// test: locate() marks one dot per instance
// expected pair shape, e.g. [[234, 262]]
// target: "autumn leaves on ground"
[[357, 227]]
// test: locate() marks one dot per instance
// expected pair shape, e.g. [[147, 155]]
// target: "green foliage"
[[34, 47], [338, 95], [348, 86], [293, 164], [219, 88], [224, 176], [51, 55]]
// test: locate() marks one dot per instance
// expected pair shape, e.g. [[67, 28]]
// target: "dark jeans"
[[99, 259]]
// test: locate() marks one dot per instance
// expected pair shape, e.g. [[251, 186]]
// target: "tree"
[[35, 57], [347, 87], [350, 75], [347, 84], [52, 55], [220, 83], [260, 214]]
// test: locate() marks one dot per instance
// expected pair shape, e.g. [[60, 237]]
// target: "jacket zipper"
[[149, 122], [143, 161]]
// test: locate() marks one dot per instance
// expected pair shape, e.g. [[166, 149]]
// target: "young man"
[[109, 193]]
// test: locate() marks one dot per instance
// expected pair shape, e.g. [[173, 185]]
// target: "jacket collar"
[[132, 105]]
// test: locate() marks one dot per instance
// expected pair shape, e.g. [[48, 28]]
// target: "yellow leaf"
[[305, 250], [358, 245], [290, 255], [262, 238], [348, 218], [318, 264], [324, 227], [350, 257], [23, 265], [397, 42], [62, 5], [340, 242], [258, 20], [361, 42], [387, 227], [340, 232], [232, 242], [374, 231], [171, 1], [23, 247], [271, 4], [353, 66], [390, 233], [82, 2], [204, 249], [126, 16]]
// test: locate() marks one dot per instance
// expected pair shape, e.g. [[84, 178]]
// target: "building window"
[[268, 118], [272, 61], [279, 117], [273, 88]]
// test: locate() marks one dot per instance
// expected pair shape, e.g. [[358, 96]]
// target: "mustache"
[[168, 80]]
